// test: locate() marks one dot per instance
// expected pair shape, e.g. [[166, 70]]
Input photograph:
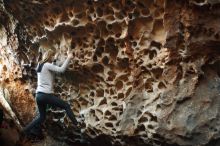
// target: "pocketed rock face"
[[13, 85], [144, 70]]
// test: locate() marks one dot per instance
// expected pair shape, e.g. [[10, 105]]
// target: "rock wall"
[[143, 70], [13, 87]]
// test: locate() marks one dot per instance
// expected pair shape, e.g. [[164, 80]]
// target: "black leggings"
[[42, 100]]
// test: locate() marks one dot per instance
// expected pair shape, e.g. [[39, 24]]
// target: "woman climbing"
[[45, 89]]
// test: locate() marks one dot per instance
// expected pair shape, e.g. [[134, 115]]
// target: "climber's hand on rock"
[[56, 56], [70, 53]]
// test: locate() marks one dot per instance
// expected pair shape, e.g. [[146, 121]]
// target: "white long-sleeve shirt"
[[45, 78]]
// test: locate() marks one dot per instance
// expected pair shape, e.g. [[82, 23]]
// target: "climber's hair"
[[47, 56]]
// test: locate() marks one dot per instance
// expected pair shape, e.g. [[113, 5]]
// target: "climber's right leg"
[[56, 101]]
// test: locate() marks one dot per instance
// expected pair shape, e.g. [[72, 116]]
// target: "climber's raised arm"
[[62, 68]]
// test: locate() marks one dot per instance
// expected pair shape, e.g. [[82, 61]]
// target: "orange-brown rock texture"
[[145, 72]]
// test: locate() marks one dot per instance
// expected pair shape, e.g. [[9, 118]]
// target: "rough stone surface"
[[144, 71]]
